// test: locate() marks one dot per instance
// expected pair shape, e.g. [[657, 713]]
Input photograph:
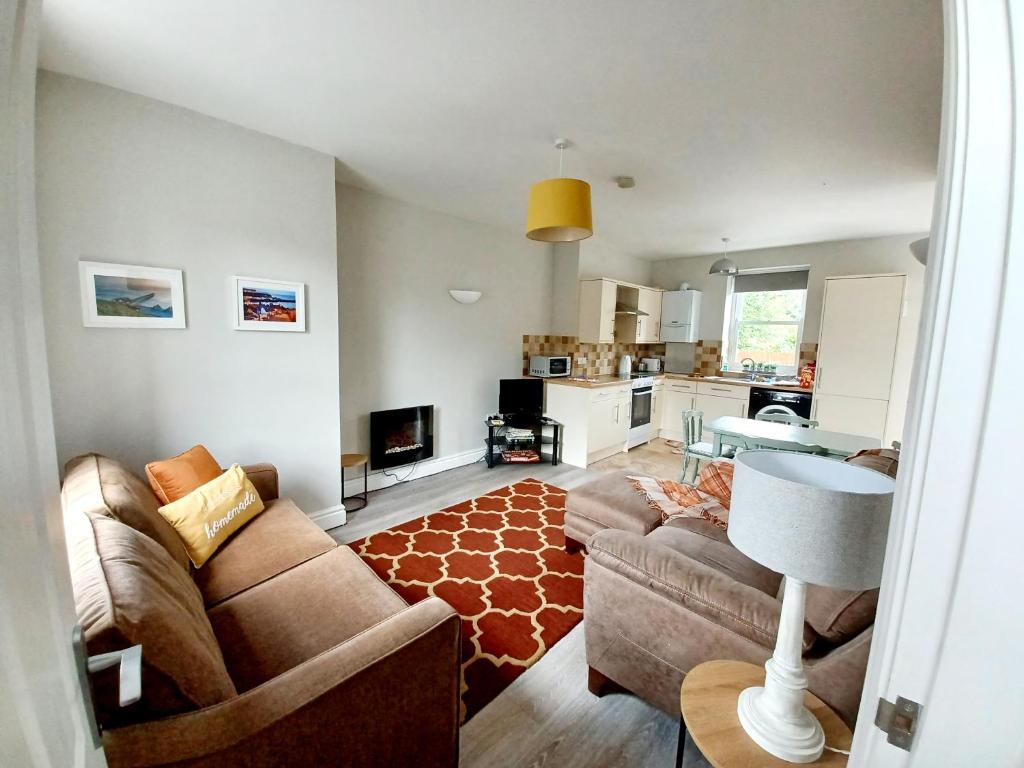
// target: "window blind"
[[789, 280]]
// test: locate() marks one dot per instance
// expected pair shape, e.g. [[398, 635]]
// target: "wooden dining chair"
[[780, 415], [694, 447]]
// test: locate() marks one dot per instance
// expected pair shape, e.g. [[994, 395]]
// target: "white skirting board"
[[335, 516], [331, 517], [378, 479]]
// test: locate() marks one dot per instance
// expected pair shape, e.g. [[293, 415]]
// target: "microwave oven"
[[550, 366]]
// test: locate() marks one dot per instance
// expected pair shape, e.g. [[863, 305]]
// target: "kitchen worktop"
[[614, 379]]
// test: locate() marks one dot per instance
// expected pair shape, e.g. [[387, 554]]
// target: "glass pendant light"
[[559, 209], [724, 266]]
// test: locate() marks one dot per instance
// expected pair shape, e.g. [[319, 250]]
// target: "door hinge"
[[898, 720]]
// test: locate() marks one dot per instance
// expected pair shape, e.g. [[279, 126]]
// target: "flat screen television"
[[521, 399]]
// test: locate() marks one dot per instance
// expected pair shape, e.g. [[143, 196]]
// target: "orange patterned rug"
[[499, 560]]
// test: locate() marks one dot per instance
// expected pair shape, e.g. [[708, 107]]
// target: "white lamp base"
[[775, 716], [796, 737]]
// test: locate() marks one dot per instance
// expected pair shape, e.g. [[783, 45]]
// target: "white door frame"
[[949, 622], [42, 716]]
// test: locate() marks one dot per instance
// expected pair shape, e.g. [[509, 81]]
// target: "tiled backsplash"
[[708, 357], [603, 359]]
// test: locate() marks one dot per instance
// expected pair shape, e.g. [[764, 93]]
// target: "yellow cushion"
[[209, 515]]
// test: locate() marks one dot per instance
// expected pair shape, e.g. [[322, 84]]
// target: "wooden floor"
[[547, 718]]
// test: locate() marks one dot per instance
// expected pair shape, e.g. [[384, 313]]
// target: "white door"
[[859, 325], [949, 625], [853, 415], [713, 407]]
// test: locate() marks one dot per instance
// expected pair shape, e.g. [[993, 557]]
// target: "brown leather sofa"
[[661, 599], [283, 649]]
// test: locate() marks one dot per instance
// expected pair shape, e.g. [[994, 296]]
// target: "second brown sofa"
[[661, 599]]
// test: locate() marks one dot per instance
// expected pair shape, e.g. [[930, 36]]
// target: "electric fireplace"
[[401, 436]]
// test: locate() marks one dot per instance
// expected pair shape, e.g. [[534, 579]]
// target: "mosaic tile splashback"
[[603, 359], [598, 359]]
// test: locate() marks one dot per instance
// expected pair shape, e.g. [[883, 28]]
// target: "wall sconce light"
[[465, 297]]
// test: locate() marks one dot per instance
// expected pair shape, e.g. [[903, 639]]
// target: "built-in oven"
[[640, 412], [796, 403]]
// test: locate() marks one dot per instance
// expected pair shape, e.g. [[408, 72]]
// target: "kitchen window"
[[764, 318]]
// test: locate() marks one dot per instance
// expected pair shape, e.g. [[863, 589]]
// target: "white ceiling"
[[772, 122]]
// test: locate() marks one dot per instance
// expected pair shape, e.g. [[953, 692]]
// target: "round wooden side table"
[[707, 702], [348, 461]]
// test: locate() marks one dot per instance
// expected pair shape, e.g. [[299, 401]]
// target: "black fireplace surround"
[[401, 436]]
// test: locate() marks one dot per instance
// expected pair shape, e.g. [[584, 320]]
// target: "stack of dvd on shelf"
[[521, 457]]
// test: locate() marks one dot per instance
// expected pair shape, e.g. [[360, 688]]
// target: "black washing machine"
[[796, 402]]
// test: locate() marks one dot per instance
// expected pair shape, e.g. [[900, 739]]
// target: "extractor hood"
[[622, 309]]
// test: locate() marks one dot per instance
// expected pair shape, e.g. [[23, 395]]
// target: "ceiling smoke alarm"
[[625, 182]]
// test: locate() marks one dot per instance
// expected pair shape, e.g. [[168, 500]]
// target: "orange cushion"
[[174, 478]]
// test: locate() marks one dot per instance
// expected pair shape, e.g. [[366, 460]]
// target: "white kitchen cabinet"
[[852, 415], [649, 327], [597, 311], [860, 322], [677, 397], [716, 405], [595, 420], [860, 326], [680, 315], [657, 401], [608, 423]]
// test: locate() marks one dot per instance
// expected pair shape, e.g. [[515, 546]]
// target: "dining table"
[[751, 433]]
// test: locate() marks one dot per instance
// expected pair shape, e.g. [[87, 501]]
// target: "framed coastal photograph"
[[269, 305], [126, 296]]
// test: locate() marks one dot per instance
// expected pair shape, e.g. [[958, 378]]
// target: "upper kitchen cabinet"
[[649, 319], [597, 311], [637, 314], [860, 327], [680, 315]]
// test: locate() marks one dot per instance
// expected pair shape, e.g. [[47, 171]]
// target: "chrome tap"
[[753, 367]]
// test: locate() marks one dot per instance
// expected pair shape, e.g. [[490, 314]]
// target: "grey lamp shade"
[[724, 266], [811, 518]]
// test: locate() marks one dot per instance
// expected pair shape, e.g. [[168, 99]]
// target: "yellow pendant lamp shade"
[[559, 211]]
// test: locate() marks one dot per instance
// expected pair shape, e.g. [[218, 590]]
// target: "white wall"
[[599, 258], [587, 259], [405, 342], [846, 257], [123, 178], [565, 290]]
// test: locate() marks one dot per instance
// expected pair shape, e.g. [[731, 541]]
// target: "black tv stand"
[[497, 439]]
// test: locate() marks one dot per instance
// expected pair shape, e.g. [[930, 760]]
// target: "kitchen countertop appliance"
[[650, 364], [558, 365], [625, 365]]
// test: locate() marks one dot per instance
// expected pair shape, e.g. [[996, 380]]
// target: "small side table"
[[349, 460], [707, 702]]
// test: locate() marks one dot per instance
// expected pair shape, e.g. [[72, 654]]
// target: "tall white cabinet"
[[860, 327]]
